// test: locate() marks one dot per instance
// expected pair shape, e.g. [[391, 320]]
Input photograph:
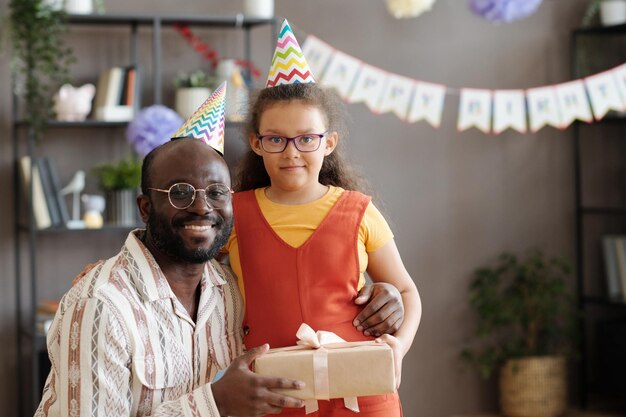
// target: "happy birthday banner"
[[488, 110]]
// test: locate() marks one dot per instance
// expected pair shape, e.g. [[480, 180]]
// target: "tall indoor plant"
[[525, 327], [41, 60]]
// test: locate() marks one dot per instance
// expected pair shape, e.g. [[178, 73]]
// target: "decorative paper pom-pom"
[[408, 8], [498, 11], [152, 127]]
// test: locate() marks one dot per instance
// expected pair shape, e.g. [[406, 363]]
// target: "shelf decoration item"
[[207, 123], [75, 187], [237, 93], [260, 9], [93, 207], [504, 11], [120, 181], [210, 54], [192, 89], [408, 8], [79, 6], [41, 59], [153, 126], [612, 12], [73, 104], [526, 320]]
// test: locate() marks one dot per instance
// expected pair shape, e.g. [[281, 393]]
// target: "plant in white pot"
[[610, 13], [525, 329], [192, 89]]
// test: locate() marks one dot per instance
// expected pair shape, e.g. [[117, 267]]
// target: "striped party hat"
[[207, 123], [288, 65]]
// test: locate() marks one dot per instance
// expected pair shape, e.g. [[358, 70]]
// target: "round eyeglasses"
[[182, 195], [309, 142]]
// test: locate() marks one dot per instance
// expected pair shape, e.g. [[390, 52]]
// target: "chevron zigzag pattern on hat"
[[289, 65], [207, 123]]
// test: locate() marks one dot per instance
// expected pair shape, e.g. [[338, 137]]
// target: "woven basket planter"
[[534, 387]]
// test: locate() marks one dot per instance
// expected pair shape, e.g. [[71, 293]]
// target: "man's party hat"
[[288, 65], [207, 123]]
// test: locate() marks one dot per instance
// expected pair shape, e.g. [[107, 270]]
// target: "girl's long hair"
[[251, 173]]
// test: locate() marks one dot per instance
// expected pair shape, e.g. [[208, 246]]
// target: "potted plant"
[[120, 181], [525, 328], [611, 12], [40, 59], [192, 89]]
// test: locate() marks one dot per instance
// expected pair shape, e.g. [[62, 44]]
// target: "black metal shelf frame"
[[582, 211], [21, 131]]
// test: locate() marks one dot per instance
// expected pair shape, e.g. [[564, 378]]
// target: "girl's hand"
[[398, 353]]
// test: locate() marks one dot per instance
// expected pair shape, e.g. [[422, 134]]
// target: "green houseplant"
[[120, 181], [41, 60], [525, 325], [192, 89]]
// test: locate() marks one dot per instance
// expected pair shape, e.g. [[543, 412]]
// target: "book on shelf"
[[53, 173], [36, 199], [48, 191], [116, 94], [614, 252]]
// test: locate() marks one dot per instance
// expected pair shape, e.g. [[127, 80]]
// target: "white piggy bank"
[[73, 104]]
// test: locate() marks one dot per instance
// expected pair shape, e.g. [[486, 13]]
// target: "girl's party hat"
[[288, 65], [207, 123]]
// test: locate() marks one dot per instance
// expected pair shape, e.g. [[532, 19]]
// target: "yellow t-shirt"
[[295, 223]]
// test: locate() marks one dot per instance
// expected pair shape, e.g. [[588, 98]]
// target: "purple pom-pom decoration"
[[152, 127], [498, 11]]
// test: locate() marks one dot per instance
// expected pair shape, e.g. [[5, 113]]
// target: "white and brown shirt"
[[122, 344]]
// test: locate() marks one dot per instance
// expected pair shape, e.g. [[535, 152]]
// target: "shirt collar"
[[148, 277]]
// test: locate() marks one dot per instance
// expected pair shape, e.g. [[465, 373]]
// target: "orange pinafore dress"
[[315, 283]]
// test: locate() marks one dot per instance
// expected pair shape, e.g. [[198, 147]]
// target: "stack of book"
[[49, 206], [614, 250], [117, 94]]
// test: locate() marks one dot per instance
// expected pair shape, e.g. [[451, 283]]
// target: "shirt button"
[[246, 329]]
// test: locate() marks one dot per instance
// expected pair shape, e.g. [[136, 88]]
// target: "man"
[[144, 333]]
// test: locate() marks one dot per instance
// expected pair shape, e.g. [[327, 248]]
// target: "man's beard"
[[169, 243]]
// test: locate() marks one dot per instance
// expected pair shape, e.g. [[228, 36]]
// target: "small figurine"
[[93, 206], [73, 104], [75, 186]]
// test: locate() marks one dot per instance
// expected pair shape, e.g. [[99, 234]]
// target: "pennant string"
[[556, 105]]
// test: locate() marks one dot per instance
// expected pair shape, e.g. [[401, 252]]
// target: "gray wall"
[[455, 200]]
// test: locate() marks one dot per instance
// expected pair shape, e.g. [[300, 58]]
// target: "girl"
[[304, 235]]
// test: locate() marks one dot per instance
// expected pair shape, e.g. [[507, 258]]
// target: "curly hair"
[[251, 173]]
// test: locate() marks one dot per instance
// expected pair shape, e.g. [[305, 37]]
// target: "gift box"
[[331, 370]]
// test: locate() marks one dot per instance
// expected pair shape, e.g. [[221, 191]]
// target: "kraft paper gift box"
[[354, 369]]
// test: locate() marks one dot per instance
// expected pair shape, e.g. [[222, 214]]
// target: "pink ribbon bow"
[[321, 340]]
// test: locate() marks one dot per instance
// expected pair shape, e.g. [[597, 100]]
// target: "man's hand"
[[383, 314], [241, 392]]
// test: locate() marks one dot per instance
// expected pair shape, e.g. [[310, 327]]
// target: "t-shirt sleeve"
[[374, 230], [231, 241]]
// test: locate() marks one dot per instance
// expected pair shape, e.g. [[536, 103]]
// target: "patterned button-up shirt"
[[122, 344]]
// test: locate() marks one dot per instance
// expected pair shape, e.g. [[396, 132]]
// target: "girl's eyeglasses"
[[182, 195], [309, 142]]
